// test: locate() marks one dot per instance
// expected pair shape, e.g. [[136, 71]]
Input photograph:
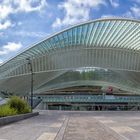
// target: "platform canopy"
[[111, 47]]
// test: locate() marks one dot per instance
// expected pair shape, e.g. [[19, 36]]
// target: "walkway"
[[59, 125]]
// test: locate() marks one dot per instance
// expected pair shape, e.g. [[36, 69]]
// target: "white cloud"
[[128, 14], [9, 7], [30, 34], [135, 11], [10, 47], [5, 10], [107, 16], [76, 11], [114, 3], [57, 23], [29, 5], [5, 25]]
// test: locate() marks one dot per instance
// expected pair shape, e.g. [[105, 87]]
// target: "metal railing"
[[90, 98]]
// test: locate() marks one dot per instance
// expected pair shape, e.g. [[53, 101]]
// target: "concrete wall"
[[10, 119]]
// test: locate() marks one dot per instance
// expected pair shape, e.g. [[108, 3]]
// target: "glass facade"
[[110, 45]]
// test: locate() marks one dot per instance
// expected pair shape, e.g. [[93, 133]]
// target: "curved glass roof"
[[112, 44]]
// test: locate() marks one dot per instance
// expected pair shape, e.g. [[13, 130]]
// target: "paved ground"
[[59, 125]]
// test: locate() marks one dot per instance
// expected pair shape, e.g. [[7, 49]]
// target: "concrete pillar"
[[44, 106], [60, 107]]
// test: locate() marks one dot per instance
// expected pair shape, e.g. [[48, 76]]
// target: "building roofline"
[[70, 27]]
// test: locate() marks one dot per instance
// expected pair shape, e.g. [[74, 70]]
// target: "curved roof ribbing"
[[107, 43]]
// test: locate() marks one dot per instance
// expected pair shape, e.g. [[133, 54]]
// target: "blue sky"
[[24, 22]]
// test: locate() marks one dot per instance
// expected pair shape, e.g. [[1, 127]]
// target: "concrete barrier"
[[15, 118]]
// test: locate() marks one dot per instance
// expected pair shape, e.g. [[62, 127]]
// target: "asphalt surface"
[[62, 125]]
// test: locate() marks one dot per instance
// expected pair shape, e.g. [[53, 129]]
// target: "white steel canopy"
[[112, 44]]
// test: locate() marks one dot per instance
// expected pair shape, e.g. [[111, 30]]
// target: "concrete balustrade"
[[15, 118]]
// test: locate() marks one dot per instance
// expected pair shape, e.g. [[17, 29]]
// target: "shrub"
[[5, 110], [19, 105]]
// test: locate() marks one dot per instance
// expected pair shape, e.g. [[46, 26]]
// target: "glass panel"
[[70, 36]]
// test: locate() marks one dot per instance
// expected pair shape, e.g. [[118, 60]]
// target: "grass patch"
[[14, 106], [5, 110], [19, 105]]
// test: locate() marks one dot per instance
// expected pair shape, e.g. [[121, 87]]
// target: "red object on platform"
[[110, 89]]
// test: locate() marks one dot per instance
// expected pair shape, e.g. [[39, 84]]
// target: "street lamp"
[[31, 70]]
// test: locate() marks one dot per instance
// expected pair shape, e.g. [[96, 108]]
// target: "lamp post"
[[31, 70]]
